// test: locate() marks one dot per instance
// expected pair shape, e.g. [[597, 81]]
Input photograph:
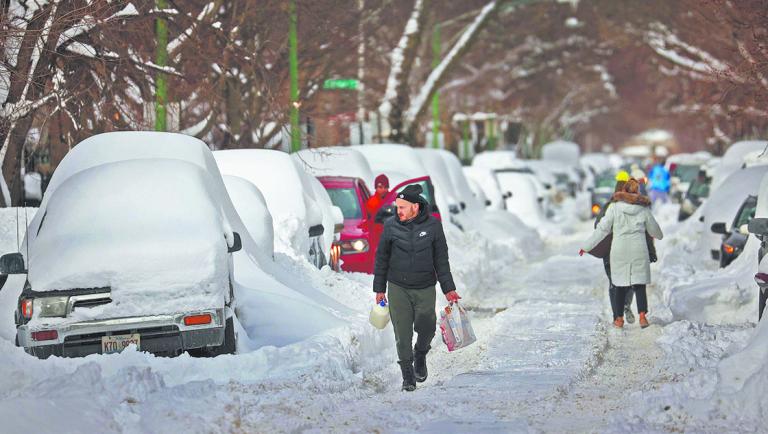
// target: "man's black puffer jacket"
[[414, 254]]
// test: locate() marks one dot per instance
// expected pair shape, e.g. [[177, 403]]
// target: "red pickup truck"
[[362, 230]]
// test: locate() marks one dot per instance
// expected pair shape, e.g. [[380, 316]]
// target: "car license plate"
[[117, 343]]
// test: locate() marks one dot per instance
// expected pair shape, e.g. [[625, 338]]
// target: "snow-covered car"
[[758, 226], [723, 204], [303, 218], [697, 193], [524, 200], [485, 178], [733, 159], [735, 238], [136, 288], [253, 211], [150, 266], [402, 166], [683, 170]]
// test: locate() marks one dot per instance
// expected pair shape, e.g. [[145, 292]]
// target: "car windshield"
[[686, 172], [605, 182], [747, 212], [346, 199]]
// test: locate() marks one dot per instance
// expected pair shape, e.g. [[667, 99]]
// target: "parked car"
[[733, 159], [103, 276], [403, 167], [343, 172], [605, 184], [683, 170], [486, 179], [357, 245], [697, 192], [758, 227], [735, 238], [129, 275], [724, 203], [304, 221]]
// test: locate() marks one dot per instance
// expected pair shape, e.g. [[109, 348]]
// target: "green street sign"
[[340, 83]]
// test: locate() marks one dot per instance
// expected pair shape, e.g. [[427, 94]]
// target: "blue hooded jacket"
[[659, 178]]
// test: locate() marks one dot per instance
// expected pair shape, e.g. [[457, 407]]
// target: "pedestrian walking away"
[[629, 223], [660, 183], [411, 258]]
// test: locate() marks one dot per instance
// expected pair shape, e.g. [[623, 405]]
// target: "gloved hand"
[[581, 252], [381, 296], [452, 297]]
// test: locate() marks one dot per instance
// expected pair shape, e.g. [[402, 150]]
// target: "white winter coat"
[[630, 264]]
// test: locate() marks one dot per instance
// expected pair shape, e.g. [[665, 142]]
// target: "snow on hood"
[[392, 159], [288, 192], [335, 161], [564, 152], [733, 159], [495, 160], [143, 228]]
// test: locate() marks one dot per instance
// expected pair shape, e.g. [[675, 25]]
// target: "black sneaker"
[[409, 379]]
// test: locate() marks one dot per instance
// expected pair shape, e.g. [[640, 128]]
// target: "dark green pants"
[[412, 309]]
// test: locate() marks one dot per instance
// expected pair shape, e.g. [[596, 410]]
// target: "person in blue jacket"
[[659, 182]]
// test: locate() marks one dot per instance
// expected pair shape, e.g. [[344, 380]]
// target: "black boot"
[[409, 381], [420, 364]]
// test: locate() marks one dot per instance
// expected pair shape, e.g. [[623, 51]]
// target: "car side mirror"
[[12, 263], [453, 209], [757, 226], [237, 243], [507, 195], [719, 228], [384, 213], [463, 206], [488, 202]]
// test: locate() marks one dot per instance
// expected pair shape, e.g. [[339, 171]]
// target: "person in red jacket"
[[377, 200]]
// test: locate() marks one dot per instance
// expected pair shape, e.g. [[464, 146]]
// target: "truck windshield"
[[346, 199]]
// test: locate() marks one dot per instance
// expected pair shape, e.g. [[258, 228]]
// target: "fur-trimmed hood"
[[631, 198]]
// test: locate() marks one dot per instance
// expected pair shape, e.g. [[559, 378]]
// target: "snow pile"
[[399, 162], [733, 160]]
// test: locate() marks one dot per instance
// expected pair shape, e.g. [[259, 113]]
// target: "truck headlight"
[[359, 245], [48, 307]]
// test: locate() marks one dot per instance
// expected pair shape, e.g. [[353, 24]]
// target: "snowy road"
[[547, 360]]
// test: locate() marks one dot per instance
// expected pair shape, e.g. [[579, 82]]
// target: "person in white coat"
[[630, 260]]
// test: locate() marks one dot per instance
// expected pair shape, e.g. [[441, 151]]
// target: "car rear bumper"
[[357, 262], [160, 334]]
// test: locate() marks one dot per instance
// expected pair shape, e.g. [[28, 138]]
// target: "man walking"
[[412, 256]]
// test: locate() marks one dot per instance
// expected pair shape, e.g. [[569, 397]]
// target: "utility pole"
[[293, 60], [436, 97], [161, 59], [361, 71]]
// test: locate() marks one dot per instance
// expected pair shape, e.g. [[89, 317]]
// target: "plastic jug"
[[379, 316]]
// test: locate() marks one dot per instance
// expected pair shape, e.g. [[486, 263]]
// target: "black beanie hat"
[[411, 193]]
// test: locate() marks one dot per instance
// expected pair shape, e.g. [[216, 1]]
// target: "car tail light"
[[26, 308], [595, 209], [193, 320], [729, 249], [45, 335], [335, 256], [761, 279]]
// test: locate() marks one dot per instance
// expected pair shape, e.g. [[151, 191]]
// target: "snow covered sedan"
[[135, 252], [735, 239]]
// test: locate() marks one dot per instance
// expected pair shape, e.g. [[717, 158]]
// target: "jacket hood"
[[631, 198], [421, 216], [628, 208]]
